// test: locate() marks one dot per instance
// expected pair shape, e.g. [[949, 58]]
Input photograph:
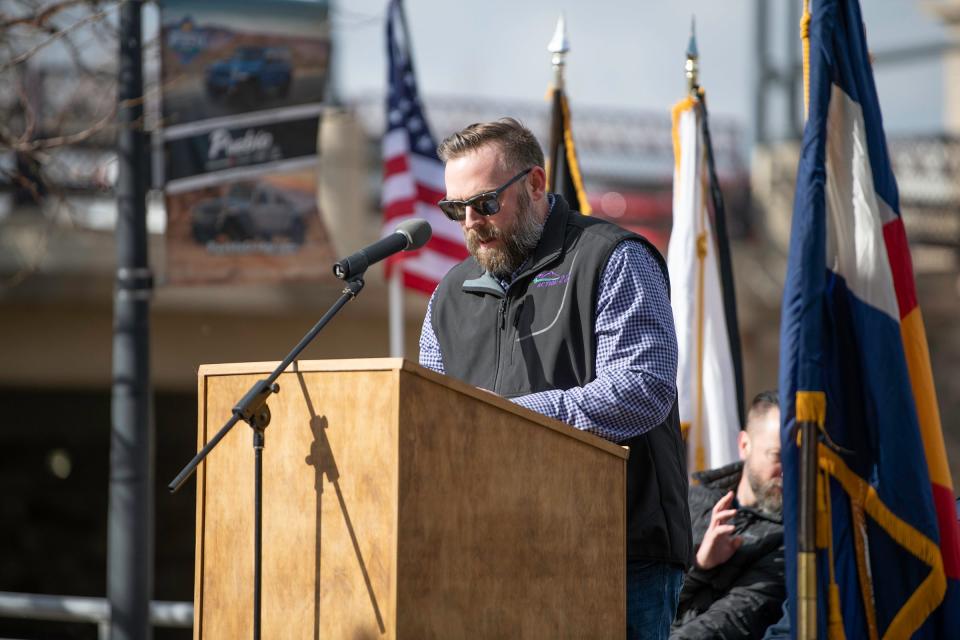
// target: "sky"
[[624, 55]]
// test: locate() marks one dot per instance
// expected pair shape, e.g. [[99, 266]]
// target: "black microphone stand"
[[253, 410]]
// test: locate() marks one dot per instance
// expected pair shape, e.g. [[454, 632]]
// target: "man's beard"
[[769, 494], [518, 242]]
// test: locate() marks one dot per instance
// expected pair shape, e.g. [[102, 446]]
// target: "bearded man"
[[736, 586], [569, 316]]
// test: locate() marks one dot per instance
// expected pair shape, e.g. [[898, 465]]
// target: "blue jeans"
[[653, 591]]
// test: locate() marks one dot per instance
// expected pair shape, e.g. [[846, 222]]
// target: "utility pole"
[[131, 513]]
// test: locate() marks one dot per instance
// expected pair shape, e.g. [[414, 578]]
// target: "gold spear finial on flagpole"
[[559, 46], [692, 65]]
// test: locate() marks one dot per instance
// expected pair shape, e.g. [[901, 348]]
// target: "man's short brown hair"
[[520, 148], [763, 403]]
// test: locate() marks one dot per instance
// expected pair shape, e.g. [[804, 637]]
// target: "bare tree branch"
[[29, 111], [58, 121], [59, 141], [42, 17], [77, 56], [61, 33]]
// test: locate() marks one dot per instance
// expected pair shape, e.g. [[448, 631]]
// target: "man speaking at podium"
[[569, 316]]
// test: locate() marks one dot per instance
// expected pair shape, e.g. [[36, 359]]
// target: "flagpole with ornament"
[[703, 302], [691, 70], [563, 167], [721, 236], [558, 47]]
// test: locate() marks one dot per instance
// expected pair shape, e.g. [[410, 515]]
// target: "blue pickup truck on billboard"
[[251, 72]]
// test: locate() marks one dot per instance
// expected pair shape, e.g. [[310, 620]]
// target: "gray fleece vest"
[[539, 335]]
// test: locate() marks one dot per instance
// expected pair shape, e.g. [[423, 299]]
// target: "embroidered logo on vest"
[[550, 279]]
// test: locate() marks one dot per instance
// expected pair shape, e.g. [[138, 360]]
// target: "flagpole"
[[395, 297], [700, 456], [558, 47], [806, 615], [722, 244], [806, 534], [395, 282]]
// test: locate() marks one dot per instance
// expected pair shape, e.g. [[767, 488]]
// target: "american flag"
[[412, 172]]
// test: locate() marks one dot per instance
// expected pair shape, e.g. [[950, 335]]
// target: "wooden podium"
[[399, 503]]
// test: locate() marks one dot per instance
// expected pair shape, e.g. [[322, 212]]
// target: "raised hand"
[[719, 543]]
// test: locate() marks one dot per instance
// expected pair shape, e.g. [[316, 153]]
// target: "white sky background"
[[625, 55]]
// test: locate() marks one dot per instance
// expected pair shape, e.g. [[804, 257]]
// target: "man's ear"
[[538, 183], [743, 444]]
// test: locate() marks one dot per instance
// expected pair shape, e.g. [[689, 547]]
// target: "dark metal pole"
[[761, 73], [555, 176], [258, 442], [130, 517]]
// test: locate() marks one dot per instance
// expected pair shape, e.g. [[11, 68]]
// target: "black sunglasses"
[[486, 203]]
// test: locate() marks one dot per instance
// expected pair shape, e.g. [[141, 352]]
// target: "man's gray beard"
[[518, 242], [769, 494]]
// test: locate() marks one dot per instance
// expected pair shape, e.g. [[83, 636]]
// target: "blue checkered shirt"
[[636, 361]]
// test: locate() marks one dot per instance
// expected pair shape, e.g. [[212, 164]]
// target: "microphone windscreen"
[[417, 230]]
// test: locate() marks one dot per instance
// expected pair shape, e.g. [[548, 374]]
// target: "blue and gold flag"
[[854, 362]]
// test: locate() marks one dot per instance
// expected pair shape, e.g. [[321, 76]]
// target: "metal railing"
[[31, 606], [927, 168]]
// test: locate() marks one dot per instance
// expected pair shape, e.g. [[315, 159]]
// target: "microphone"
[[408, 236]]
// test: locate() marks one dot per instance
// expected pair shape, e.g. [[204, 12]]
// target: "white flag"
[[705, 375]]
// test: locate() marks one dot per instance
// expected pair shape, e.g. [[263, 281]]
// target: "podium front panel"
[[507, 529], [329, 510]]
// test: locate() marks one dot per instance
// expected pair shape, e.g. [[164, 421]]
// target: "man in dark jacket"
[[736, 586]]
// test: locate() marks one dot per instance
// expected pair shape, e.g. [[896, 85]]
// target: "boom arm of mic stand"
[[251, 403]]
